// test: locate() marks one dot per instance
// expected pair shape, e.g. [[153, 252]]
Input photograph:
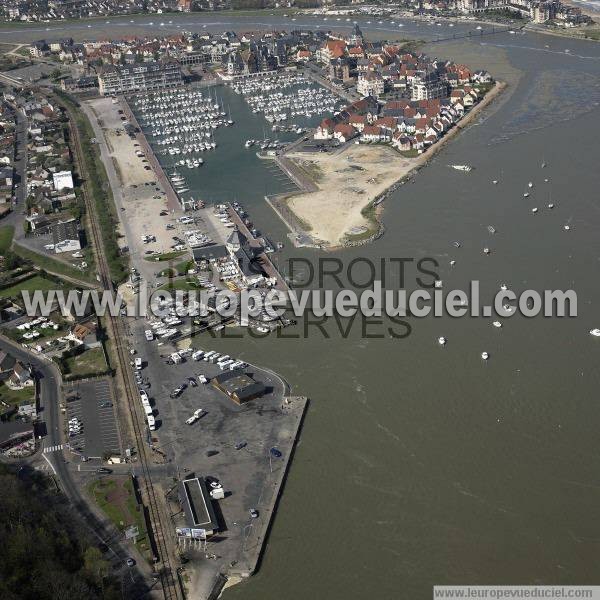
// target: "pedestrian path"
[[53, 448]]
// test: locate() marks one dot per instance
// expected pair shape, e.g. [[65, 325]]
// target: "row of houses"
[[7, 153], [405, 124]]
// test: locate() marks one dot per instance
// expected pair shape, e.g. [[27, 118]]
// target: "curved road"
[[49, 380]]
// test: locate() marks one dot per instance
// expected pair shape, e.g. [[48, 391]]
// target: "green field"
[[15, 397], [6, 237], [116, 497], [54, 266], [37, 282], [89, 363]]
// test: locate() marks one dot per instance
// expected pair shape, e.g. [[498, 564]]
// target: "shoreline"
[[301, 226]]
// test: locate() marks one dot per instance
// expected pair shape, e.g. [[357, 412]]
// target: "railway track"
[[168, 579]]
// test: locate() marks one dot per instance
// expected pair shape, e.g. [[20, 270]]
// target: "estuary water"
[[419, 464], [422, 465]]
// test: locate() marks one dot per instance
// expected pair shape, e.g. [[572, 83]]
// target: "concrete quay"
[[173, 201]]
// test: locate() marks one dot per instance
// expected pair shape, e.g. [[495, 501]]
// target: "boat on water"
[[551, 205], [249, 143], [503, 287], [530, 184], [497, 324], [534, 210], [485, 355], [486, 251], [442, 341], [526, 195], [464, 168], [491, 229], [595, 332]]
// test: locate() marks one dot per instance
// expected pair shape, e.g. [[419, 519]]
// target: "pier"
[[266, 263]]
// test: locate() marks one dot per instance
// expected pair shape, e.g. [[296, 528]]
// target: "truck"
[[176, 358], [149, 335], [148, 410], [207, 355], [151, 422], [138, 363], [198, 355]]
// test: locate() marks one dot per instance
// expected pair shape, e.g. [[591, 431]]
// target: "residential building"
[[139, 77]]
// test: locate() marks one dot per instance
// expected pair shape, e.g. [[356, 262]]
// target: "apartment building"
[[141, 77]]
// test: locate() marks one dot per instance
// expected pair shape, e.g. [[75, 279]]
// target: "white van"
[[138, 363], [151, 422]]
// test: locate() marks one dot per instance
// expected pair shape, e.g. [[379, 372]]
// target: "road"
[[49, 387]]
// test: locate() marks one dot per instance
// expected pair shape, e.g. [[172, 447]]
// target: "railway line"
[[168, 578]]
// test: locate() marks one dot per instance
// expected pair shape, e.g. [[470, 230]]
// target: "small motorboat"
[[530, 184], [550, 205], [442, 340], [452, 263], [486, 251], [485, 355], [503, 287], [491, 229], [534, 210], [594, 332], [567, 228], [497, 324], [438, 283], [457, 244], [526, 195], [495, 182]]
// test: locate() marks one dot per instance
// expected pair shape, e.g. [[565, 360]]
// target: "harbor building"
[[239, 386], [143, 77], [199, 512]]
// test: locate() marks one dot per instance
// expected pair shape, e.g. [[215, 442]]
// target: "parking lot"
[[91, 403], [229, 442]]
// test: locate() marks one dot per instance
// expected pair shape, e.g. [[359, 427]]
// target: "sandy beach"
[[349, 180]]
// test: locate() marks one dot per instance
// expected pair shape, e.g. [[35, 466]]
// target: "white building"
[[370, 84], [63, 180]]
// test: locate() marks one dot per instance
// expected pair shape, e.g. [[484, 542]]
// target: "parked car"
[[176, 392], [254, 513]]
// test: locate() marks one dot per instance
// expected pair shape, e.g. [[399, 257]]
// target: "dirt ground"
[[348, 181]]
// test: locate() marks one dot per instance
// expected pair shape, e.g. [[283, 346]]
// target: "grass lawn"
[[55, 266], [37, 282], [13, 397], [116, 497], [90, 362], [165, 256], [6, 237], [181, 284]]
